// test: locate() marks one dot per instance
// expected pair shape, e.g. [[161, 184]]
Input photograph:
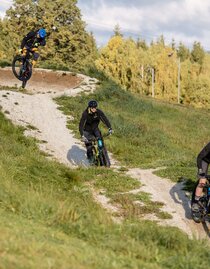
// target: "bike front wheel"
[[104, 158], [21, 69]]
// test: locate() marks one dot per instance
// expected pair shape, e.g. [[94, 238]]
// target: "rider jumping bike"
[[21, 65], [31, 42]]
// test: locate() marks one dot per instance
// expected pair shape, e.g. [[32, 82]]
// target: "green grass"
[[132, 209], [147, 133], [50, 220], [9, 88], [4, 63], [14, 88]]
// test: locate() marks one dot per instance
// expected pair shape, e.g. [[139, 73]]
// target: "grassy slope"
[[49, 219], [148, 133]]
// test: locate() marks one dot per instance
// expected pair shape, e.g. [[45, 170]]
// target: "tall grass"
[[50, 220]]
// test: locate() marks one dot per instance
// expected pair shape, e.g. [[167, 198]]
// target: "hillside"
[[148, 133], [48, 213]]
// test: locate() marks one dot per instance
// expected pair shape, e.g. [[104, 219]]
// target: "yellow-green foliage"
[[165, 71], [120, 60], [129, 63]]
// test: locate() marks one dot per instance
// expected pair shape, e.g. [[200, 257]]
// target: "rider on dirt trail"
[[88, 126]]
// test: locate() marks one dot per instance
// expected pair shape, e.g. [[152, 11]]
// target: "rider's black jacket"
[[204, 155], [90, 121], [31, 39]]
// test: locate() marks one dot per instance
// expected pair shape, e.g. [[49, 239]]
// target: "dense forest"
[[172, 72]]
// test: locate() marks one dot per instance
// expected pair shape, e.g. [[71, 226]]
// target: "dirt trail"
[[39, 110], [42, 80], [176, 203]]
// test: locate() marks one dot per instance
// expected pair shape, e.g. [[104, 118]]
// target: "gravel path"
[[40, 111]]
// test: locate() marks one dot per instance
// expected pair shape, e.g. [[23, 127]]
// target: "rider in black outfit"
[[203, 161], [32, 41], [88, 126]]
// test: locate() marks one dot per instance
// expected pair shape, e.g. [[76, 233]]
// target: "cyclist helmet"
[[92, 103], [42, 32]]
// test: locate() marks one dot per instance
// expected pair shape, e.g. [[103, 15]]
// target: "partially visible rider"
[[203, 161], [31, 42], [88, 126]]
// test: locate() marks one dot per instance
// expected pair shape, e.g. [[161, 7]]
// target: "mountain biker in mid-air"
[[203, 161], [31, 42], [88, 126]]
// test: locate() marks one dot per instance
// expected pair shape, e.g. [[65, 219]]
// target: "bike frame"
[[96, 151], [207, 196], [98, 146], [27, 56]]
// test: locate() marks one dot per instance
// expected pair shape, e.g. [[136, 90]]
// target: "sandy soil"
[[39, 110], [42, 80]]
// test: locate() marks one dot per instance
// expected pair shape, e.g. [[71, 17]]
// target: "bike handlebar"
[[95, 138]]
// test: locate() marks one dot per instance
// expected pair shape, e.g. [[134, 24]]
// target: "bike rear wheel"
[[21, 68]]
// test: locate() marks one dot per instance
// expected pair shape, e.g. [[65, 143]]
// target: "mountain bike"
[[204, 204], [22, 67], [100, 154]]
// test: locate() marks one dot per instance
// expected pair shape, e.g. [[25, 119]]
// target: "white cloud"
[[4, 5], [185, 21], [2, 14]]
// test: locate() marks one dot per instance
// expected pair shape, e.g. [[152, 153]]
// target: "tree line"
[[148, 69], [131, 64]]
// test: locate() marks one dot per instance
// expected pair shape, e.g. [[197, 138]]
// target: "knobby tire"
[[16, 70], [105, 158]]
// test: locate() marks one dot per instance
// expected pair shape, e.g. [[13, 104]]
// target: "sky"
[[184, 20]]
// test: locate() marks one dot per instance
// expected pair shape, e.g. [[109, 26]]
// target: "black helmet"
[[92, 103]]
